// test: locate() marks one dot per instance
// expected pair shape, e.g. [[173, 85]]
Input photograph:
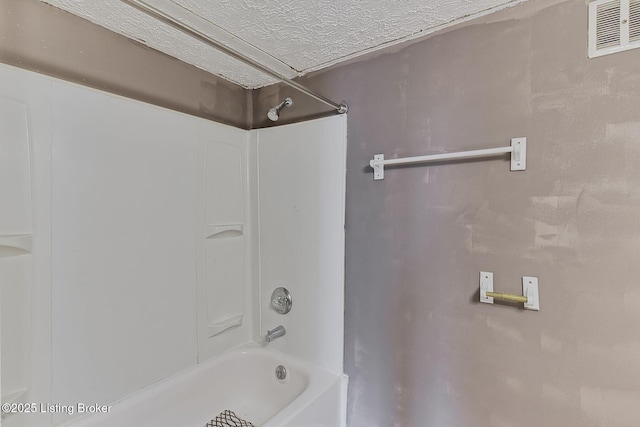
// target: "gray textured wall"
[[39, 37], [420, 350]]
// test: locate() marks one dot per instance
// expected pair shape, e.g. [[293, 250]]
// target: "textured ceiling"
[[292, 37]]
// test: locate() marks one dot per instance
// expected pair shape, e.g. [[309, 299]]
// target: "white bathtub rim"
[[318, 381], [177, 377], [308, 396]]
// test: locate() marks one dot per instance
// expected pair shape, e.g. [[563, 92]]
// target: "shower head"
[[274, 113]]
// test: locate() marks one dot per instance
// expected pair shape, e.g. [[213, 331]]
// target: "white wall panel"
[[301, 186], [225, 183], [226, 262], [15, 248], [25, 159], [225, 241], [124, 190], [15, 169]]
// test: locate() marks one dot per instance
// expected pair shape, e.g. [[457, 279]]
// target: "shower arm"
[[170, 20]]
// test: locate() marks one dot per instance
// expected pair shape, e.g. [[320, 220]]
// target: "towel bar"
[[529, 296]]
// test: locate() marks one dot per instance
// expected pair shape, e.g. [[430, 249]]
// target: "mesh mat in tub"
[[228, 419]]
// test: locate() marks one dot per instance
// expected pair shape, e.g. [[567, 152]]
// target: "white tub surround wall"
[[118, 311], [226, 242], [25, 239], [124, 253], [16, 234], [301, 175], [145, 250], [301, 180]]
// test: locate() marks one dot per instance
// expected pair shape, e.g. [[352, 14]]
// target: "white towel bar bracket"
[[378, 167], [518, 150]]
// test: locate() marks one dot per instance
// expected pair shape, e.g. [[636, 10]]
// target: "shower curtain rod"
[[170, 20]]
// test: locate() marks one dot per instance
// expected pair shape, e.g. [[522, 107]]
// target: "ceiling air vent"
[[614, 26]]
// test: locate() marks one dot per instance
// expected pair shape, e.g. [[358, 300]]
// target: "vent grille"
[[634, 21], [614, 26], [608, 24]]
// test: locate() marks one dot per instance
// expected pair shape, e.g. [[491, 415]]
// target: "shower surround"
[[157, 240]]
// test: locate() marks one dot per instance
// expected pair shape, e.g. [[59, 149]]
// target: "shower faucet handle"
[[281, 300]]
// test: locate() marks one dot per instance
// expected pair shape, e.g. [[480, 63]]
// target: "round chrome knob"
[[281, 300]]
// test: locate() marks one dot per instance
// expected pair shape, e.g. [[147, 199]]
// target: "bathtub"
[[243, 381]]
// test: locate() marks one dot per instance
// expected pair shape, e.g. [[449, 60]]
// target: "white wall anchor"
[[530, 297]]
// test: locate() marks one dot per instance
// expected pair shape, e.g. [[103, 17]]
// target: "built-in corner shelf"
[[224, 231], [217, 328], [15, 244]]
